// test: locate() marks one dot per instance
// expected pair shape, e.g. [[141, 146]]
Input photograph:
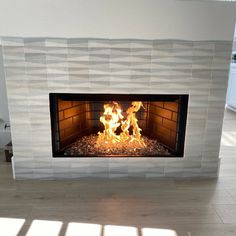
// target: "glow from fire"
[[112, 118]]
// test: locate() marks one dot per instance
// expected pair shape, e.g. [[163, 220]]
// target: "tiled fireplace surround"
[[35, 67]]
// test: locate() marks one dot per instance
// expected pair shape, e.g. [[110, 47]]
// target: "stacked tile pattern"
[[34, 67]]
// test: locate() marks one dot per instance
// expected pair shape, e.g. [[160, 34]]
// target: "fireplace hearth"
[[118, 125]]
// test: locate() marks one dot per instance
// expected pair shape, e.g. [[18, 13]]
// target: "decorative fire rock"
[[87, 147]]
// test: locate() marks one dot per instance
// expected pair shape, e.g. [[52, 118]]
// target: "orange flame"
[[112, 118]]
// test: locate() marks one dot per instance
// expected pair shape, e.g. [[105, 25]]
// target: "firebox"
[[118, 125]]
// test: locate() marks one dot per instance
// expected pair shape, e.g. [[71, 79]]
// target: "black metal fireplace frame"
[[53, 101]]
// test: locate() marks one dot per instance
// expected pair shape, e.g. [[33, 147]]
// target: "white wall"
[[118, 19], [4, 115]]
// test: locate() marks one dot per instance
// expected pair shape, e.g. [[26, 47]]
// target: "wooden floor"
[[167, 207]]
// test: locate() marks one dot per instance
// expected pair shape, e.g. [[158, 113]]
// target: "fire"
[[112, 118]]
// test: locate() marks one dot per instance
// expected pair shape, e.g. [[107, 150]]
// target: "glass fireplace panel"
[[118, 125]]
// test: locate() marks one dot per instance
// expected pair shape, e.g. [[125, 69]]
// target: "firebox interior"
[[76, 124]]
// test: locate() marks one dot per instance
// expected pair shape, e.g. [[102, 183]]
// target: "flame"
[[112, 118]]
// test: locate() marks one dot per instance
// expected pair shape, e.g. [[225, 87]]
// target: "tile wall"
[[35, 67]]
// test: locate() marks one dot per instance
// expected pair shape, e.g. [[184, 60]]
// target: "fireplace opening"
[[118, 125]]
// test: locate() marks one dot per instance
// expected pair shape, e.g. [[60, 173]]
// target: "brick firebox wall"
[[163, 122], [72, 121]]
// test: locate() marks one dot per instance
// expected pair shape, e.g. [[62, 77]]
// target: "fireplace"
[[118, 125], [79, 75]]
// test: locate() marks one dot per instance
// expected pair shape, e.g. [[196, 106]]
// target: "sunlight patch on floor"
[[10, 226], [44, 227], [115, 230], [158, 232], [75, 229]]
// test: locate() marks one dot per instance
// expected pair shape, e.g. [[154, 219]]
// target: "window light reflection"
[[75, 229], [10, 226], [44, 227], [159, 232], [114, 230]]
